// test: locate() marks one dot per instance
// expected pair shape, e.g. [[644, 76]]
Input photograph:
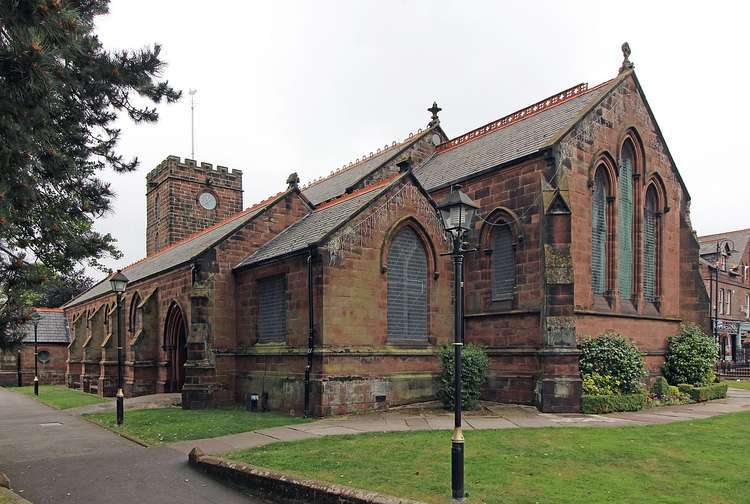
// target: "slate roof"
[[339, 182], [519, 138], [178, 253], [740, 238], [314, 227], [52, 327]]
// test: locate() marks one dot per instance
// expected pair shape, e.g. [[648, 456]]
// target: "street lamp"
[[458, 212], [35, 318], [118, 281]]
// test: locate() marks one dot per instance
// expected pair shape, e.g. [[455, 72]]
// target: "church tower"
[[183, 198]]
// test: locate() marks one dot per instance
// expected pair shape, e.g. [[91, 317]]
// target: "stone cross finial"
[[434, 111], [626, 63], [293, 180]]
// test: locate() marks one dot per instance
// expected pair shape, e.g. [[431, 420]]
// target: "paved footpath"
[[53, 456], [493, 416]]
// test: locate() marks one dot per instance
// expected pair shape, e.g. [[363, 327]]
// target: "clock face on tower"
[[207, 200]]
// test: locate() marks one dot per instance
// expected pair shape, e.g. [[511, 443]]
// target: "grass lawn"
[[696, 461], [60, 396], [167, 425], [744, 385]]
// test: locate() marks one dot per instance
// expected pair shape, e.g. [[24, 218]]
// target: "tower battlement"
[[184, 196]]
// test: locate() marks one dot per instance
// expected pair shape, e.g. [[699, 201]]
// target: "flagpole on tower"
[[192, 92]]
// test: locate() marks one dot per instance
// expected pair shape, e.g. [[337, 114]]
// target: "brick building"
[[725, 268], [17, 366], [334, 297]]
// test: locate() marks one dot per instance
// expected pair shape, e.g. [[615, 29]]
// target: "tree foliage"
[[612, 355], [691, 357], [60, 93]]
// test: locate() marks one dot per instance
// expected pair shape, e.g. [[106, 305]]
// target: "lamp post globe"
[[119, 282], [36, 317], [458, 211]]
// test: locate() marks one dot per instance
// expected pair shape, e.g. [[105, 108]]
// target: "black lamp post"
[[119, 282], [35, 318], [457, 211]]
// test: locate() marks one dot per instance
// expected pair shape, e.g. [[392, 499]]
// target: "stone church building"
[[334, 297]]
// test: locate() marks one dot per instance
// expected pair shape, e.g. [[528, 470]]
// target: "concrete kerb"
[[285, 488]]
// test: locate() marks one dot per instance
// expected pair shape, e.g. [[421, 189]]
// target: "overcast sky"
[[308, 86]]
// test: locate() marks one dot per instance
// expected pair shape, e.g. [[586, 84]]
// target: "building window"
[[43, 356], [721, 301], [134, 316], [747, 306], [652, 246], [156, 241], [407, 288], [599, 233], [157, 209], [503, 263], [272, 309], [728, 302], [625, 222]]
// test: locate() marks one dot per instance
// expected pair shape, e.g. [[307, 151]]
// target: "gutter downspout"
[[311, 327]]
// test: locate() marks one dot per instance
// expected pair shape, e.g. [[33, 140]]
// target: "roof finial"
[[293, 181], [626, 63], [434, 110]]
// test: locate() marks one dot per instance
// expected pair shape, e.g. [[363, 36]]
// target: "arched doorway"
[[175, 343]]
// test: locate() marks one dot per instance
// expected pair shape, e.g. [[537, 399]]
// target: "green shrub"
[[596, 384], [474, 364], [707, 393], [595, 404], [612, 355], [660, 388], [691, 356]]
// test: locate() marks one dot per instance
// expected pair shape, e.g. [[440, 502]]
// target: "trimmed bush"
[[707, 393], [660, 388], [595, 404], [596, 384], [612, 355], [691, 356], [474, 364]]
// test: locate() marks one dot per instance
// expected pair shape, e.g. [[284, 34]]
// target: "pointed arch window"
[[625, 222], [407, 288], [599, 243], [503, 262], [134, 315], [652, 246]]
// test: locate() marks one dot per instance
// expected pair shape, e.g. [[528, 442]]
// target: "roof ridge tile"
[[358, 192], [353, 164], [520, 115], [216, 225]]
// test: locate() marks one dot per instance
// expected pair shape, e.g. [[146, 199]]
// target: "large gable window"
[[599, 233], [503, 263], [272, 309], [625, 222], [407, 288]]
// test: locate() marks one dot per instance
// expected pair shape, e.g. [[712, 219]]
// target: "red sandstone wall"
[[51, 372]]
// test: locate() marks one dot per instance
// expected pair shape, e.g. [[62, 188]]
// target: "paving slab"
[[490, 423], [417, 423], [334, 431], [446, 422], [285, 434]]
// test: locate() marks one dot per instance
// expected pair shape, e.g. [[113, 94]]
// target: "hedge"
[[707, 393], [593, 404]]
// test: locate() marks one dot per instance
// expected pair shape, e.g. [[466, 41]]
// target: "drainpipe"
[[311, 327]]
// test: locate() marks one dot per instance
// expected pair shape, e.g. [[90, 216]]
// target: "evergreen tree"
[[60, 93]]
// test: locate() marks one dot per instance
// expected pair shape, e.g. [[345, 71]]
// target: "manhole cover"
[[50, 424]]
